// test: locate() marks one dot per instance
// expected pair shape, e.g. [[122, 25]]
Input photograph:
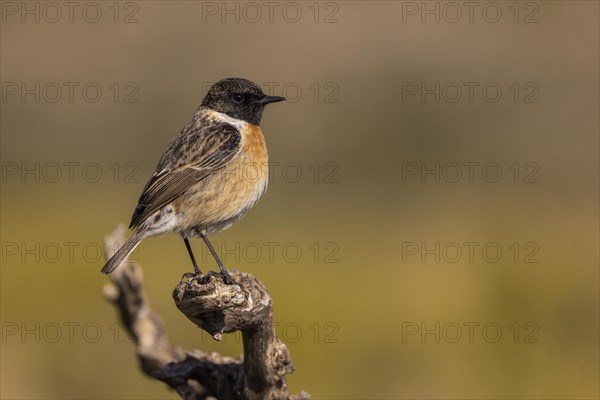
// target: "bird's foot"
[[189, 276], [225, 276], [204, 278]]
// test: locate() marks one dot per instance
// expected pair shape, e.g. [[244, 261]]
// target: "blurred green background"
[[348, 248]]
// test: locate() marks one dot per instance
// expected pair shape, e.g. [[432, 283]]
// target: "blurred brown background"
[[376, 292]]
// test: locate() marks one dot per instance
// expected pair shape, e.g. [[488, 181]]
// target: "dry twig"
[[217, 308]]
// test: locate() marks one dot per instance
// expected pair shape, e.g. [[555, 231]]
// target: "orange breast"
[[254, 145], [247, 176]]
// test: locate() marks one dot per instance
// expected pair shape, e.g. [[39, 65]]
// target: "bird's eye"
[[238, 98]]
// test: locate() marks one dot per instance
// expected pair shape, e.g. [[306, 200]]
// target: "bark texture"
[[217, 308]]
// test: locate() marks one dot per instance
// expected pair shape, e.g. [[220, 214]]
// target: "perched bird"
[[200, 185]]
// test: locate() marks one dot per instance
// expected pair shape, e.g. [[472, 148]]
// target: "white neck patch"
[[238, 123]]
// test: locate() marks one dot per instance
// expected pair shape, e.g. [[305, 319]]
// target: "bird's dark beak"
[[270, 99]]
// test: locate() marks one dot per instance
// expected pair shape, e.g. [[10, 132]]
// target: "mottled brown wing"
[[219, 145]]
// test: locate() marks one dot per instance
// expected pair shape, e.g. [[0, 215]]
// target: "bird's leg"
[[197, 271], [228, 278]]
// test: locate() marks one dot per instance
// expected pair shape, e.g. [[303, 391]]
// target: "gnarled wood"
[[217, 308]]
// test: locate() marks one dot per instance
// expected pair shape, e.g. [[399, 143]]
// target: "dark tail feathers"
[[122, 253]]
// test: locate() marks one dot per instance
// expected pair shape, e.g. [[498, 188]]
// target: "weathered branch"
[[217, 308]]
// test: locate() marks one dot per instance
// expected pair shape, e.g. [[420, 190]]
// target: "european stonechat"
[[196, 188]]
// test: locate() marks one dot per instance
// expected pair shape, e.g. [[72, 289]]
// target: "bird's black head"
[[238, 98]]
